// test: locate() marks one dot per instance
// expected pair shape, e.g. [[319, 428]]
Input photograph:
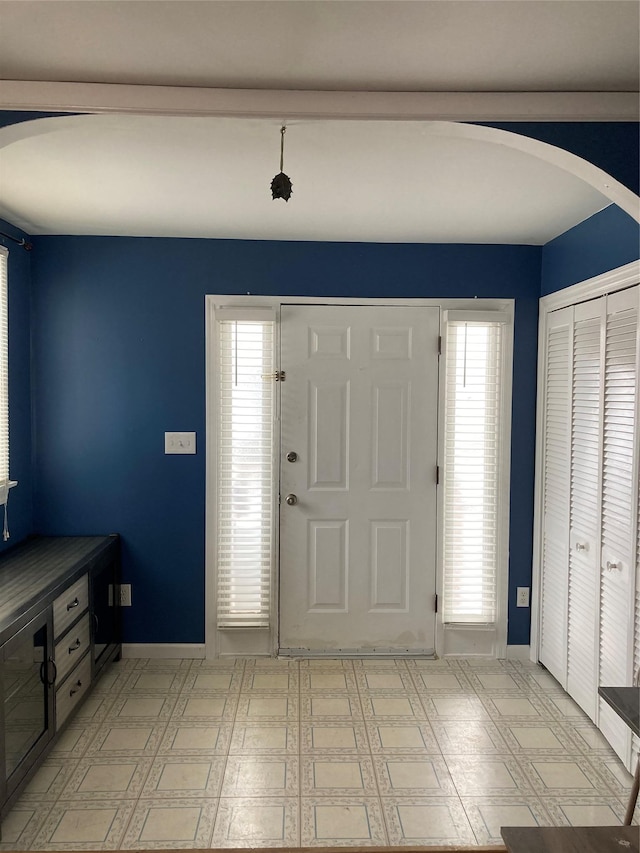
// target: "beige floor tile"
[[264, 738], [189, 738], [155, 681], [385, 680], [212, 708], [182, 823], [440, 680], [270, 681], [83, 823], [426, 821], [410, 776], [279, 708], [256, 776], [402, 737], [102, 777], [213, 681], [126, 738], [184, 776], [468, 737], [328, 738], [487, 775], [330, 707], [328, 679], [385, 706], [21, 825], [454, 707], [583, 811], [75, 741], [514, 708], [487, 815], [342, 822], [49, 780], [249, 822], [539, 739], [156, 708], [338, 776], [572, 776]]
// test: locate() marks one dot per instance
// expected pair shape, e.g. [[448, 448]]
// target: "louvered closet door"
[[584, 535], [556, 491], [619, 507]]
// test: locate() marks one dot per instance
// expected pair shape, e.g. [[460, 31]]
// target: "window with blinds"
[[4, 373], [472, 452], [245, 481]]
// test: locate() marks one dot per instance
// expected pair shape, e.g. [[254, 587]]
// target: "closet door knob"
[[613, 566], [580, 547]]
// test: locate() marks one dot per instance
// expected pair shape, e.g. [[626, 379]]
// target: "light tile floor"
[[245, 753]]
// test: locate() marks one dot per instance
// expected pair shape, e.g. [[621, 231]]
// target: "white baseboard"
[[163, 650], [519, 653]]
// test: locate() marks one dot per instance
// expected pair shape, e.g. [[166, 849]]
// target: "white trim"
[[518, 653], [164, 651], [608, 282], [476, 634], [278, 104], [612, 281], [214, 302]]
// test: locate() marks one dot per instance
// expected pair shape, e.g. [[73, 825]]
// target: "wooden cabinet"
[[59, 627]]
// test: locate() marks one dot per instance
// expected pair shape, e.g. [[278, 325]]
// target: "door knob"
[[292, 500], [292, 456]]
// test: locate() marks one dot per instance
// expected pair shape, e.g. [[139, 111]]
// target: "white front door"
[[359, 409]]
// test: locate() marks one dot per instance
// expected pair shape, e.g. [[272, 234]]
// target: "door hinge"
[[435, 603], [278, 376], [437, 475], [439, 344]]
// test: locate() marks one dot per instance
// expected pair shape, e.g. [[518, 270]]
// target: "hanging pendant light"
[[281, 184]]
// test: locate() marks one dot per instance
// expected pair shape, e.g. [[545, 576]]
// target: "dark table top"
[[625, 701], [571, 839]]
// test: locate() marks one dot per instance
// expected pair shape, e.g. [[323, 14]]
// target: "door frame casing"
[[264, 642]]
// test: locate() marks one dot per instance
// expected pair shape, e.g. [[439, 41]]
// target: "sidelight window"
[[245, 476]]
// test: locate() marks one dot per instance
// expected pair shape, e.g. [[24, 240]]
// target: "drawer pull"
[[73, 604], [75, 689], [75, 646]]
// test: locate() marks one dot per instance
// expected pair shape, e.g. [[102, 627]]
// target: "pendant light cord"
[[283, 130]]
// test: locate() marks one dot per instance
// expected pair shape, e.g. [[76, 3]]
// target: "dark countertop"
[[35, 572], [625, 701], [571, 839]]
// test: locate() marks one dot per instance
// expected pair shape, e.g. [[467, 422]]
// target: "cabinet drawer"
[[68, 606], [72, 647], [71, 692]]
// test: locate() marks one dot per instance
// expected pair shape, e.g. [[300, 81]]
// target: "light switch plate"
[[179, 442]]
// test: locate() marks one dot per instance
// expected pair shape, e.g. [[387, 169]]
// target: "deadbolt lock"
[[292, 456]]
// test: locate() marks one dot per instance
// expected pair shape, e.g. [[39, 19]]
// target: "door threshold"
[[357, 653]]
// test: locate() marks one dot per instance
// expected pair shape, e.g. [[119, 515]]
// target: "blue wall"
[[119, 358], [20, 444], [612, 146], [609, 239]]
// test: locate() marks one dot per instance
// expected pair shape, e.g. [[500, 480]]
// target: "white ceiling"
[[376, 181], [477, 45], [210, 177]]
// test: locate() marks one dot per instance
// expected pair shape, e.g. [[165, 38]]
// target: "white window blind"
[[4, 372], [471, 468], [245, 469]]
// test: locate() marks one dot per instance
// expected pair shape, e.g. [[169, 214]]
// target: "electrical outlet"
[[522, 596], [125, 595]]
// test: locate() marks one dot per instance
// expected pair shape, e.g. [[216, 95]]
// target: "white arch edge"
[[584, 170]]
